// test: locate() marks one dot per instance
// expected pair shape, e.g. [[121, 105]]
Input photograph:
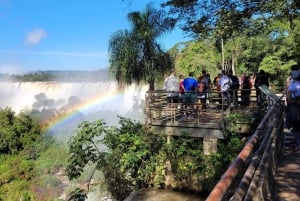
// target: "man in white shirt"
[[225, 82], [171, 85]]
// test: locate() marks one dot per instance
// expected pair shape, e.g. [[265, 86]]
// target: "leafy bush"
[[18, 132], [135, 159]]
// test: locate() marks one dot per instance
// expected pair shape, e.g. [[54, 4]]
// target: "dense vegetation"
[[22, 156], [242, 35], [129, 157], [136, 159]]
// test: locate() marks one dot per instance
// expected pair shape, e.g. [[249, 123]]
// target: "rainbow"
[[85, 106]]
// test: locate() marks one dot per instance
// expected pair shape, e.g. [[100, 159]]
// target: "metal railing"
[[251, 174], [157, 108]]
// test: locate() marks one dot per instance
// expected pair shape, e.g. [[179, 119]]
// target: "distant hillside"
[[64, 76]]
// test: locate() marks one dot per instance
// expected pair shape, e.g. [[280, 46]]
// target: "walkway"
[[287, 176]]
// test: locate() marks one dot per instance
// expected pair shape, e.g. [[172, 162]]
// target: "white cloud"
[[34, 37], [56, 53]]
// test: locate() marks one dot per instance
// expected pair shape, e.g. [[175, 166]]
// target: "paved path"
[[287, 179]]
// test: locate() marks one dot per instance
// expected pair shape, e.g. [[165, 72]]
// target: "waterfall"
[[91, 100]]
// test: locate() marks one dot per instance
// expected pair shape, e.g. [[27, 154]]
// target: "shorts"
[[190, 97]]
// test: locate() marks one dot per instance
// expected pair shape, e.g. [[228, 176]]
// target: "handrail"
[[156, 103], [220, 191]]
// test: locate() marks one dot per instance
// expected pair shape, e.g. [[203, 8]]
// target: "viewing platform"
[[207, 120], [198, 119]]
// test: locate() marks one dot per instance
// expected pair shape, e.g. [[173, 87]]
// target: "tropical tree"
[[225, 20], [206, 17], [135, 55], [196, 56]]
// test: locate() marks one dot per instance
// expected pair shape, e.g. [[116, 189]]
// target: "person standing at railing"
[[293, 108], [205, 76], [235, 86], [201, 92], [294, 70], [260, 79], [217, 85], [245, 90], [171, 85], [190, 88], [225, 82], [181, 89]]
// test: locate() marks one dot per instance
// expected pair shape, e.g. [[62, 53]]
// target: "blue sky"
[[64, 34]]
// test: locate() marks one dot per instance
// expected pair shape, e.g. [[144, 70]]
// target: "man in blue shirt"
[[190, 83], [190, 91]]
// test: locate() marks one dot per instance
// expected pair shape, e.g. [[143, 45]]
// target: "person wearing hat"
[[293, 108], [294, 71]]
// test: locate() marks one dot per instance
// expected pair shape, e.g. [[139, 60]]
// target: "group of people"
[[187, 89], [194, 91]]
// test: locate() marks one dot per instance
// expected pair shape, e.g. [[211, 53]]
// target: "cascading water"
[[91, 100], [79, 101], [76, 102]]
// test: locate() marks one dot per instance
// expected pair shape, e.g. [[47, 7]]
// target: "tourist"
[[293, 108], [202, 92], [225, 82], [171, 86], [205, 77], [216, 84], [294, 69], [261, 79], [190, 87], [245, 90], [235, 86], [181, 89]]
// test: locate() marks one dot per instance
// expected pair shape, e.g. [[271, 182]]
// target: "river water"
[[163, 195]]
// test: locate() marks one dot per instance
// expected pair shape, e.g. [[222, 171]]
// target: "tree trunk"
[[151, 85], [223, 59]]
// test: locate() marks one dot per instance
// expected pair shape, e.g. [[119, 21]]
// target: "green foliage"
[[15, 168], [135, 55], [135, 159], [127, 162], [15, 174], [18, 133], [19, 190], [23, 158], [52, 158], [83, 147], [260, 35], [197, 56], [46, 181]]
